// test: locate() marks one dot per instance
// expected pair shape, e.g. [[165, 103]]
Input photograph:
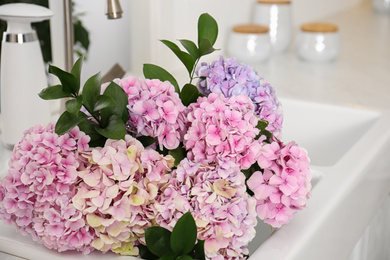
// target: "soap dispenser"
[[23, 73]]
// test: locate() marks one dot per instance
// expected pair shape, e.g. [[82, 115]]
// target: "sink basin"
[[349, 149], [327, 131]]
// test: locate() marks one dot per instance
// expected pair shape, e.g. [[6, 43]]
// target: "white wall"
[[109, 39], [151, 20], [314, 10], [133, 39]]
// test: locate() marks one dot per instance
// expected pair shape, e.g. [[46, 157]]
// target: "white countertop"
[[360, 76]]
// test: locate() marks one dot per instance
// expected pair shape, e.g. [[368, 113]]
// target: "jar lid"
[[319, 27], [250, 28], [274, 2]]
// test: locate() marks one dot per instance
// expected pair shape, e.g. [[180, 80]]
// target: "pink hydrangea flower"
[[222, 128], [216, 197], [35, 195], [120, 182], [284, 185], [229, 77], [155, 110]]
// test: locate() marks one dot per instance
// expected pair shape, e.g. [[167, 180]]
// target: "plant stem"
[[96, 118], [193, 70]]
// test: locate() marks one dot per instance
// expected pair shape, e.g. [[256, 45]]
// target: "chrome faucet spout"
[[114, 9]]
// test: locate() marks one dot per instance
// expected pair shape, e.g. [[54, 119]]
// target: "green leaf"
[[116, 128], [88, 127], [158, 240], [171, 45], [191, 48], [66, 122], [184, 257], [120, 109], [73, 105], [267, 134], [262, 124], [207, 29], [68, 81], [145, 253], [199, 250], [205, 47], [183, 235], [81, 34], [247, 173], [53, 92], [146, 140], [76, 72], [184, 57], [155, 72], [91, 91], [179, 154], [170, 256], [189, 94], [103, 101]]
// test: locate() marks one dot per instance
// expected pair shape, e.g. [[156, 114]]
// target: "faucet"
[[114, 9]]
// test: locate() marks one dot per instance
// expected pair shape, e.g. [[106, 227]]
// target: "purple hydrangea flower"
[[228, 77]]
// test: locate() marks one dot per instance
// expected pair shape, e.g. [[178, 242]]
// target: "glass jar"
[[318, 41], [249, 43], [276, 14], [381, 6]]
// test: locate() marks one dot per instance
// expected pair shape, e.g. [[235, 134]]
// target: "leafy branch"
[[180, 244], [101, 116], [207, 36]]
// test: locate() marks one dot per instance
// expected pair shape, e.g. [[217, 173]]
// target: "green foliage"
[[262, 125], [115, 92], [54, 92], [207, 36], [207, 29], [146, 140], [67, 121], [155, 72], [179, 154], [178, 244], [105, 115], [184, 57], [158, 240], [183, 236], [189, 94]]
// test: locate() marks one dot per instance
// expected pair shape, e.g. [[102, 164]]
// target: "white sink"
[[349, 150]]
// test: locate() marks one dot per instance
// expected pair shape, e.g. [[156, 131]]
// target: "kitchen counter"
[[360, 76]]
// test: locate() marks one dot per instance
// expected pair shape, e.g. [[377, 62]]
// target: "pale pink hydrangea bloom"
[[155, 110], [284, 185], [221, 128], [216, 196], [120, 182], [36, 193]]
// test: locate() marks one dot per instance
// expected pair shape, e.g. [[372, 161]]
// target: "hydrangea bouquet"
[[141, 167]]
